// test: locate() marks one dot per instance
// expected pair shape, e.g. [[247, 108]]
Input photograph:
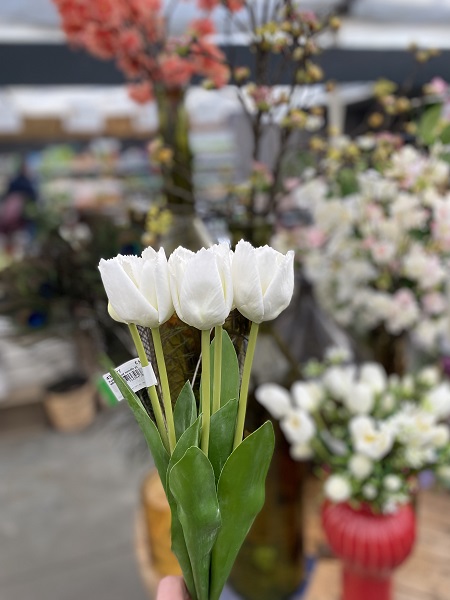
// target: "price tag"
[[133, 374]]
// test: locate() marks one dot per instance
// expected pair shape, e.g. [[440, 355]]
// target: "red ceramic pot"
[[370, 545]]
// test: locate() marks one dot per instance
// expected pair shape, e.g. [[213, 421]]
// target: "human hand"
[[172, 588]]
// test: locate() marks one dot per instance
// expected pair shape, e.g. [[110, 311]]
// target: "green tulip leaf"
[[189, 438], [149, 429], [223, 424], [230, 380], [241, 492], [185, 411], [193, 485]]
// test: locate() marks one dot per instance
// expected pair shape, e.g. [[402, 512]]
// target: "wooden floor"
[[424, 576]]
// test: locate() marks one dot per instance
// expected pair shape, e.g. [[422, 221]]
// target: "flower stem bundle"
[[214, 480]]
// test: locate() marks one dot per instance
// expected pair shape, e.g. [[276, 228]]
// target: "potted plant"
[[370, 435]]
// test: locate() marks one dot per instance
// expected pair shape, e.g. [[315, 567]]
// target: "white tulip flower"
[[274, 398], [307, 395], [201, 285], [369, 439], [297, 426], [263, 281], [337, 488], [138, 288], [360, 466]]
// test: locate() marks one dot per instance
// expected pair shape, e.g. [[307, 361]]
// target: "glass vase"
[[177, 173]]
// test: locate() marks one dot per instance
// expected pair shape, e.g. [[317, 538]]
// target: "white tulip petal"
[[112, 313], [155, 283], [201, 286], [246, 282], [278, 294], [125, 298], [224, 259], [137, 287], [268, 263]]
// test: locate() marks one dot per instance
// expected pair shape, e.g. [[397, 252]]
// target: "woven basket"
[[158, 522], [70, 404]]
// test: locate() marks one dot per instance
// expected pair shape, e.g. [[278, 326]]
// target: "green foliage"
[[147, 426], [213, 499], [230, 370], [189, 439], [185, 411], [193, 485], [241, 497], [223, 424]]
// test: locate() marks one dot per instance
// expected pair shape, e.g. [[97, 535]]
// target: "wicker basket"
[[70, 404], [158, 522]]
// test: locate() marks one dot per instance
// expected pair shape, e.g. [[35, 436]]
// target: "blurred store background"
[[78, 182]]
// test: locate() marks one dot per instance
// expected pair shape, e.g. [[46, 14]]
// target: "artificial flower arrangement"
[[379, 256], [214, 480], [160, 59], [370, 433]]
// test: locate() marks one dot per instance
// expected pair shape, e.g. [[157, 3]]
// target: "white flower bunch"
[[380, 256], [202, 288], [371, 433], [204, 464]]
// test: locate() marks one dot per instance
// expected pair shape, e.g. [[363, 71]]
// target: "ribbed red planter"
[[371, 546]]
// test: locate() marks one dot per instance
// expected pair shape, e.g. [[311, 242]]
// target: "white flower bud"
[[392, 483], [360, 466], [337, 488]]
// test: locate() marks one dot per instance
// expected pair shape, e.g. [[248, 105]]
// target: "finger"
[[172, 588]]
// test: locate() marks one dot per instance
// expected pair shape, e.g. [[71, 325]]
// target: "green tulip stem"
[[206, 391], [243, 396], [152, 389], [217, 367], [167, 401]]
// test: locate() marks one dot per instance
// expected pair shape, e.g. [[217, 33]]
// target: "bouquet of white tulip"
[[214, 480], [369, 433]]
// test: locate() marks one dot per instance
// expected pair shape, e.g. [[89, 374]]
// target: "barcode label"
[[133, 374]]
